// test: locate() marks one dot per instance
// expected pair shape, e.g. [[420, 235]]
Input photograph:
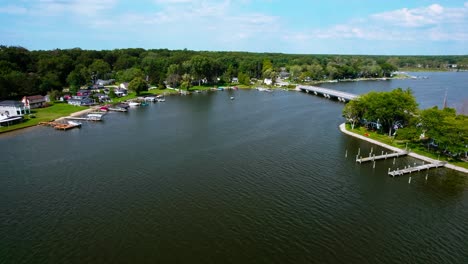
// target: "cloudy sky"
[[289, 26]]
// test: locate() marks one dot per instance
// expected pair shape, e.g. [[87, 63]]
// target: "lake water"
[[205, 179]]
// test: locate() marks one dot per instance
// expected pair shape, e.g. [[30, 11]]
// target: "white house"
[[12, 111]]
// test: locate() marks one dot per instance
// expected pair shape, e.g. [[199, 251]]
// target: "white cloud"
[[431, 23]]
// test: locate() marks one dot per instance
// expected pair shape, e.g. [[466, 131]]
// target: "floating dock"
[[416, 169], [385, 156]]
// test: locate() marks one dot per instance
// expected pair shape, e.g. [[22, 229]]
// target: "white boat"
[[232, 97], [150, 99], [161, 100], [134, 103], [74, 123], [94, 116]]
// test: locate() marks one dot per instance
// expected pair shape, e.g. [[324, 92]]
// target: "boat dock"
[[410, 169], [60, 126], [82, 118], [93, 116], [384, 156]]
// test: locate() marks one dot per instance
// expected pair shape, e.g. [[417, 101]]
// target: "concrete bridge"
[[328, 93]]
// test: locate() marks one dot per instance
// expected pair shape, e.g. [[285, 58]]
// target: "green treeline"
[[24, 72], [396, 113]]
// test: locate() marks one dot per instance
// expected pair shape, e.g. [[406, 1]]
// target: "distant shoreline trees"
[[24, 72]]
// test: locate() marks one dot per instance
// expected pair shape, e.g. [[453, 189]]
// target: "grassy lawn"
[[45, 114], [413, 147]]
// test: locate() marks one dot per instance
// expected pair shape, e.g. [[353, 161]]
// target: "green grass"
[[413, 147], [416, 69], [45, 114]]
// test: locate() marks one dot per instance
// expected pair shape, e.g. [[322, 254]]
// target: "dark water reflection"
[[205, 179]]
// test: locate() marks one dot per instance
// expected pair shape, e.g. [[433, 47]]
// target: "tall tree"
[[138, 85]]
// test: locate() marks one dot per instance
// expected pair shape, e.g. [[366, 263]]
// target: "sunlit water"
[[205, 179]]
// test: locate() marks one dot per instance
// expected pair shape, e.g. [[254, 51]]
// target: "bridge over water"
[[328, 93]]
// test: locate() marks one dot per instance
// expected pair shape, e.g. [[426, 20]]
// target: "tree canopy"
[[24, 72], [397, 112]]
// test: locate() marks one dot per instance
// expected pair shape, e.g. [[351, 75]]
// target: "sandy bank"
[[79, 113], [414, 155]]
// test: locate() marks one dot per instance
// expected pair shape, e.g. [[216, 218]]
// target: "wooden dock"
[[384, 156], [428, 166], [59, 126]]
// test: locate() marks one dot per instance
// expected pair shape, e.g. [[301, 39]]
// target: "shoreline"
[[412, 154]]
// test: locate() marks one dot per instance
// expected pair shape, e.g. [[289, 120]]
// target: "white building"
[[268, 81], [12, 111]]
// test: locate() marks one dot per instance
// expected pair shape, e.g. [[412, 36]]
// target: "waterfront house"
[[81, 101], [121, 92], [12, 112], [83, 92], [34, 101], [235, 80], [102, 97]]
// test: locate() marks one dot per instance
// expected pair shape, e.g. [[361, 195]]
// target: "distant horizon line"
[[242, 51]]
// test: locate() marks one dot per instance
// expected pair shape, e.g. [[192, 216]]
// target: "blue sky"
[[416, 27]]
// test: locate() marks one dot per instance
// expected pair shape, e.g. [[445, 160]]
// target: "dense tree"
[[23, 71], [138, 85], [130, 74], [388, 109], [99, 69]]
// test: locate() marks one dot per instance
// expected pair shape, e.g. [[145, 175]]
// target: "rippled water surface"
[[205, 179]]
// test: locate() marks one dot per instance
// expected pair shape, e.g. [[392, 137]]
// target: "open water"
[[205, 179]]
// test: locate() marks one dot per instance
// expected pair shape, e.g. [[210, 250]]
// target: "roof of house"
[[35, 97], [11, 103]]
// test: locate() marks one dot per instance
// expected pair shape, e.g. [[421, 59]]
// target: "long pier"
[[385, 156], [328, 93], [428, 166]]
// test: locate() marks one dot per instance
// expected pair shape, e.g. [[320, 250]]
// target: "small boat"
[[134, 103], [161, 100], [104, 108], [150, 99], [95, 116], [74, 123], [232, 98], [118, 109]]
